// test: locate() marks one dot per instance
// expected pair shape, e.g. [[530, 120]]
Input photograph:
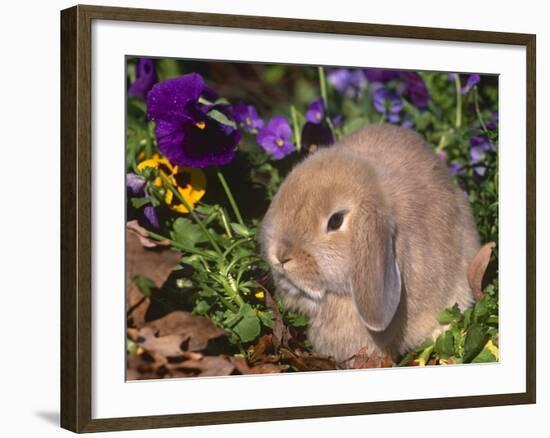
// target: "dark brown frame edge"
[[76, 224]]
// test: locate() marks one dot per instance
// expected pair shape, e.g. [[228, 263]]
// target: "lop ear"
[[376, 281]]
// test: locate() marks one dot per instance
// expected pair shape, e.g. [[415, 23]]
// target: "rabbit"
[[370, 239]]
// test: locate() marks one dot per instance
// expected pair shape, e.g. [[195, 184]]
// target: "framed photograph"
[[268, 219]]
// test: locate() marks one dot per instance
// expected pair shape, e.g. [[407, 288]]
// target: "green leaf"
[[445, 345], [144, 284], [167, 68], [354, 124], [424, 357], [405, 360], [484, 356], [481, 312], [131, 346], [201, 307], [449, 315], [139, 202], [241, 230], [296, 319], [467, 318], [187, 233], [248, 328], [136, 107], [207, 291], [266, 318], [205, 209], [272, 74], [474, 342], [221, 118]]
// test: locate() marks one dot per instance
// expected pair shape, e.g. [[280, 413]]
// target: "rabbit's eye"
[[335, 221]]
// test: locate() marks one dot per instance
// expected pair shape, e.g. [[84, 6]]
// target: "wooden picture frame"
[[76, 219]]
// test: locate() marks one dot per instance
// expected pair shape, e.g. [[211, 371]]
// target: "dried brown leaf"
[[280, 331], [143, 235], [364, 360], [263, 351], [168, 346], [153, 263], [477, 268], [208, 366], [304, 361], [264, 368], [196, 329]]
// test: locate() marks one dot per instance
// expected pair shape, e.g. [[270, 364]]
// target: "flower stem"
[[458, 88], [323, 85], [225, 222], [234, 245], [176, 193], [230, 196], [179, 246], [478, 112], [297, 133], [231, 292]]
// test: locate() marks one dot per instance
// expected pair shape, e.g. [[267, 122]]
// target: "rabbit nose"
[[283, 254], [282, 261]]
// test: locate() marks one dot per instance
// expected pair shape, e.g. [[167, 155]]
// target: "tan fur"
[[393, 187]]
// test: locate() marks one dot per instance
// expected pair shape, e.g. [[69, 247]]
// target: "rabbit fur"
[[400, 256]]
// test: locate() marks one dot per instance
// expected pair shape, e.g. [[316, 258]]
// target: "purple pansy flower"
[[246, 116], [135, 184], [337, 120], [388, 104], [455, 169], [415, 89], [479, 145], [493, 123], [276, 137], [413, 86], [380, 74], [408, 123], [349, 82], [472, 80], [146, 77], [186, 131], [209, 94], [150, 214], [315, 135], [316, 111], [453, 76]]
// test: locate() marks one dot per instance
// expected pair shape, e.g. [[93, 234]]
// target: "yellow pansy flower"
[[189, 182]]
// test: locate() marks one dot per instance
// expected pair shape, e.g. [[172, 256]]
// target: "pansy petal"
[[315, 135], [146, 77], [151, 215], [480, 170], [472, 80], [135, 184], [170, 136], [476, 154], [283, 130], [167, 99], [283, 151], [247, 117], [315, 111], [455, 169], [415, 89], [393, 117], [380, 75]]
